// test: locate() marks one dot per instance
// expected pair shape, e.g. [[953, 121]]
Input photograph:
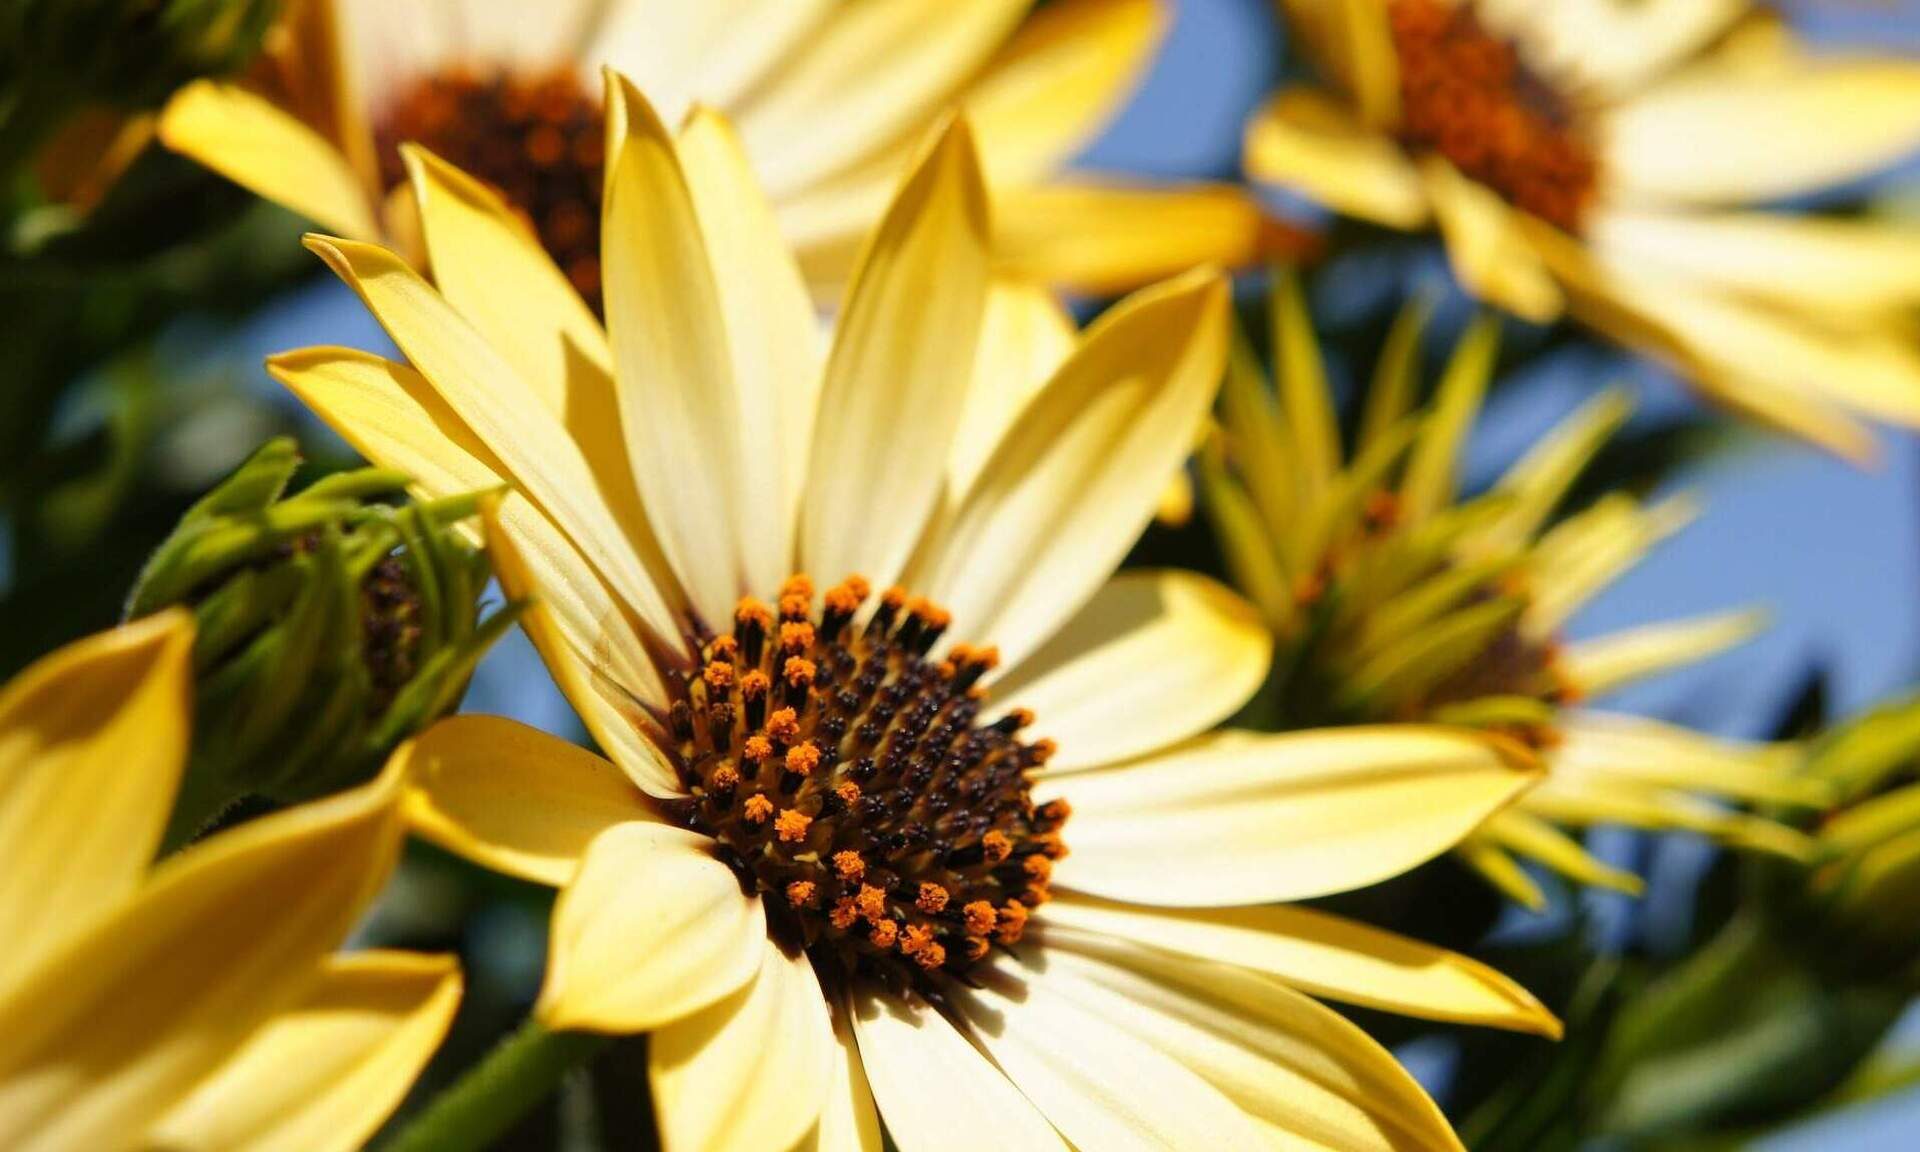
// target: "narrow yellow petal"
[[268, 152], [712, 52], [1101, 237], [652, 928], [872, 73], [1609, 662], [1502, 871], [1076, 478], [1322, 955], [848, 1120], [116, 1027], [750, 1072], [1353, 42], [1153, 658], [1489, 252], [925, 1072], [1527, 835], [1729, 135], [1303, 140], [92, 742], [1242, 819], [1607, 745], [515, 799], [1056, 83], [1024, 338], [896, 378], [323, 1076]]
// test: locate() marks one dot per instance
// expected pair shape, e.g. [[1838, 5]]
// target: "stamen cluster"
[[1468, 96], [848, 779], [539, 140]]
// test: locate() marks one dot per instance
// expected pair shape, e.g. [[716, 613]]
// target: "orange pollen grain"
[[758, 808], [799, 584], [980, 917], [725, 779], [754, 684], [803, 758], [847, 791], [871, 901], [784, 725], [757, 749], [719, 676], [802, 893], [843, 914], [798, 671], [796, 636], [884, 933], [996, 845], [849, 866], [724, 649], [932, 899], [751, 612], [1012, 923], [791, 826], [1038, 867], [977, 948]]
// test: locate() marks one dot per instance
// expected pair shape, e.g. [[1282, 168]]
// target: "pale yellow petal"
[[749, 1073], [849, 1122], [1317, 1080], [114, 1029], [1838, 266], [92, 742], [1242, 819], [872, 72], [710, 52], [1606, 663], [1480, 853], [1076, 478], [515, 799], [1323, 955], [1100, 237], [265, 150], [325, 1075], [1096, 1081], [1057, 82], [1353, 41], [1153, 658], [1649, 752], [1615, 48], [394, 418], [1527, 835], [924, 1073], [773, 334], [681, 411], [1586, 552], [897, 376], [500, 408], [652, 929], [1728, 135], [1585, 799], [1025, 336], [1490, 254], [1307, 142]]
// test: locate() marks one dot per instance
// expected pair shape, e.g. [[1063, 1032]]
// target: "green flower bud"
[[332, 625]]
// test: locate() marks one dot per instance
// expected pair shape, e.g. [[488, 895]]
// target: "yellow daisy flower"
[[190, 1004], [829, 99], [820, 819], [1392, 600], [1615, 162]]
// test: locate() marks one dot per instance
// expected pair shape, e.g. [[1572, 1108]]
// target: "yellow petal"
[[323, 1076], [748, 1073], [92, 742], [1322, 955], [268, 152], [113, 1029], [1608, 662], [925, 1073], [1836, 266], [1076, 478], [1589, 798], [1501, 870], [1024, 338], [896, 378], [1540, 480], [515, 799], [872, 72], [1102, 237], [1057, 82], [393, 417], [1352, 40], [710, 52], [1648, 752], [1095, 1080], [652, 929], [683, 417], [773, 334], [1618, 48], [848, 1120], [1489, 253], [1527, 835], [1315, 1079], [1727, 135], [1305, 141], [1242, 819], [501, 408], [1153, 658], [1586, 552]]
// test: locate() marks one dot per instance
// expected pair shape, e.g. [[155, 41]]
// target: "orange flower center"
[[847, 777], [537, 139], [1468, 96]]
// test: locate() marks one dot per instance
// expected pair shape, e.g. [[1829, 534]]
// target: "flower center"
[[537, 139], [847, 776], [1468, 96]]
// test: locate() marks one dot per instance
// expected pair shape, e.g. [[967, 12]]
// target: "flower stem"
[[520, 1072]]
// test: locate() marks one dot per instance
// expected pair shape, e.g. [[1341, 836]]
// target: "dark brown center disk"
[[1468, 96], [848, 779], [539, 140]]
